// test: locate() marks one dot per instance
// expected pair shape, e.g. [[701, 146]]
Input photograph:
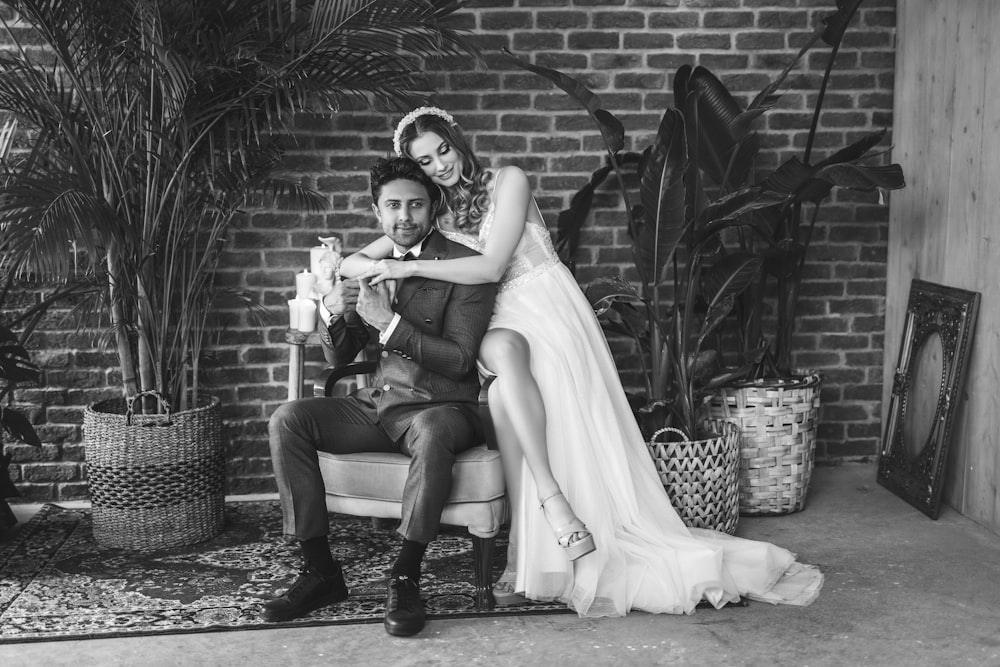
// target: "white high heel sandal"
[[574, 548]]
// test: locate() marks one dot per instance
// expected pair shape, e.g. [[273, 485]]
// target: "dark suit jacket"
[[430, 358]]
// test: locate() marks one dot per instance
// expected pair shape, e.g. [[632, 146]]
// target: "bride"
[[591, 524]]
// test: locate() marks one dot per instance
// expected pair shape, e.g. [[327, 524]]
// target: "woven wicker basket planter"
[[777, 425], [701, 477], [155, 480]]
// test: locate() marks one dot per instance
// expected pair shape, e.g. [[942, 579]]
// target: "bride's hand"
[[388, 269]]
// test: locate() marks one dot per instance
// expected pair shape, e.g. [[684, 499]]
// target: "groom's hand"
[[343, 298], [375, 303]]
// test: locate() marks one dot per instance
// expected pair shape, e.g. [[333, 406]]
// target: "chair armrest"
[[330, 376]]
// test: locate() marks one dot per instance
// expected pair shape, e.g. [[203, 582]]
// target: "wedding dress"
[[646, 558]]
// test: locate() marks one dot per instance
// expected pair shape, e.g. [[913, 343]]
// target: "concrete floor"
[[900, 589]]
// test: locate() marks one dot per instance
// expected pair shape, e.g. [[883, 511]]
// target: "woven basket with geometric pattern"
[[701, 477], [777, 422], [155, 480]]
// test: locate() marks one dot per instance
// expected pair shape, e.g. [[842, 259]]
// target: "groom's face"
[[404, 211]]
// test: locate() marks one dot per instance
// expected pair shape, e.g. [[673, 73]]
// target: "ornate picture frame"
[[926, 388]]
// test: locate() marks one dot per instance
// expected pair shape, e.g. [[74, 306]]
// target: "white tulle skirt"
[[646, 558]]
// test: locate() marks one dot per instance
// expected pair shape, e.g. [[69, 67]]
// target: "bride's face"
[[437, 158]]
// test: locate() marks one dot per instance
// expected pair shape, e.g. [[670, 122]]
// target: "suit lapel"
[[435, 247]]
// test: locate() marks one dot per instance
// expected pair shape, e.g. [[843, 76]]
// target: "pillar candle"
[[304, 284], [293, 314], [307, 315]]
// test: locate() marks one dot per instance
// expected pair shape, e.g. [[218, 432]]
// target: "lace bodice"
[[533, 255]]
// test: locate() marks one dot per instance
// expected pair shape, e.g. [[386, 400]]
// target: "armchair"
[[371, 484]]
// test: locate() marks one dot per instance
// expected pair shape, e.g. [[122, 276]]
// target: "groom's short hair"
[[386, 170]]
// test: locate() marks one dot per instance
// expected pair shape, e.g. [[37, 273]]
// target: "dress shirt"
[[397, 253]]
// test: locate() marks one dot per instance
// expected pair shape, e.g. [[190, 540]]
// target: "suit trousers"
[[345, 425]]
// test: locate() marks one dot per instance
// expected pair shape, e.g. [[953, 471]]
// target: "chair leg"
[[482, 551], [381, 524]]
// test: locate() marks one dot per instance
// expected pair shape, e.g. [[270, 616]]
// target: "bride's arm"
[[513, 196], [361, 261]]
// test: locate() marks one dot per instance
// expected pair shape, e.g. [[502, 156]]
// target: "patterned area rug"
[[57, 583]]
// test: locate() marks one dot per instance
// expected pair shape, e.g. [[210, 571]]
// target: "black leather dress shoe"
[[310, 591], [404, 609]]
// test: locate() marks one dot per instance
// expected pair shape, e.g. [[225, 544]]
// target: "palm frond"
[[151, 126]]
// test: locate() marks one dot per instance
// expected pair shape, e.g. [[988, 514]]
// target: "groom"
[[422, 402]]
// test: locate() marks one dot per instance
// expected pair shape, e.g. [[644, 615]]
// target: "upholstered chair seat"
[[371, 484]]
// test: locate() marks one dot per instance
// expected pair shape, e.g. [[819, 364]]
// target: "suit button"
[[384, 354], [386, 387]]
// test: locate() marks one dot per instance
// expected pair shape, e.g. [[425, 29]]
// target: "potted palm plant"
[[153, 131], [706, 232]]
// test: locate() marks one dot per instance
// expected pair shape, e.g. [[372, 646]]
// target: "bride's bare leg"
[[504, 592], [519, 414]]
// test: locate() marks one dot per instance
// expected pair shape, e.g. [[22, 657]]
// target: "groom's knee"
[[440, 433]]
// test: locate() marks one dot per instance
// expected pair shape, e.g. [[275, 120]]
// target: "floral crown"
[[412, 116]]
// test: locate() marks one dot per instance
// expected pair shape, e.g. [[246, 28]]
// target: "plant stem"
[[125, 360]]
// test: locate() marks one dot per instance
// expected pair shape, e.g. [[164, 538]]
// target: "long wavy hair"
[[469, 199]]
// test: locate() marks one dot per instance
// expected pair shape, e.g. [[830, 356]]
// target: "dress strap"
[[534, 202]]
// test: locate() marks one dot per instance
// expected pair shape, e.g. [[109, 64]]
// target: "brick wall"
[[626, 51]]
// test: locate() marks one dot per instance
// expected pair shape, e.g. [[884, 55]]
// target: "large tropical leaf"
[[863, 177], [16, 366], [814, 183], [733, 206], [611, 129], [830, 30], [662, 193], [855, 150], [726, 147], [721, 284], [836, 24], [620, 308], [570, 220], [604, 292], [789, 177], [18, 426], [7, 488], [783, 259]]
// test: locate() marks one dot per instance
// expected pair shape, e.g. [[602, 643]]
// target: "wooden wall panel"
[[945, 226]]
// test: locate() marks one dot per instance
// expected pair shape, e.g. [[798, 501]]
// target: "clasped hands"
[[372, 302], [388, 269], [371, 294]]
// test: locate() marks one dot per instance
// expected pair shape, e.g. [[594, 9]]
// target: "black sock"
[[409, 559], [316, 552]]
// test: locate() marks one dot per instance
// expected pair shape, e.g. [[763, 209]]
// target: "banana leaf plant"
[[151, 126], [780, 235], [706, 231], [686, 284], [17, 369]]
